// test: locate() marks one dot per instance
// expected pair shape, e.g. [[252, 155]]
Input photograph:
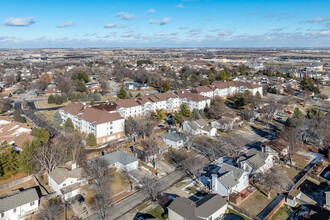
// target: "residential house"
[[120, 160], [255, 161], [211, 206], [229, 179], [14, 133], [175, 139], [66, 183], [277, 148], [105, 126], [199, 126], [223, 124], [19, 205]]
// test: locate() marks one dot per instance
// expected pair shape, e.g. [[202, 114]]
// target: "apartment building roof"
[[190, 96], [14, 132], [90, 114]]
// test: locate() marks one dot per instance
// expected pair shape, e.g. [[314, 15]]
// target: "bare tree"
[[211, 148], [9, 79], [292, 136], [274, 179], [151, 187], [151, 149], [233, 146], [129, 179], [192, 166], [5, 104], [50, 211], [40, 86], [71, 141], [49, 156], [104, 87], [99, 174], [64, 84]]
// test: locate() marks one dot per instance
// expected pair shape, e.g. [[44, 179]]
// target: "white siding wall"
[[110, 128], [21, 211]]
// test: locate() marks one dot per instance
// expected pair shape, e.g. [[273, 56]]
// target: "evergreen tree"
[[178, 119], [122, 93], [51, 99], [68, 125], [41, 135], [17, 117], [196, 113], [159, 115], [166, 87], [64, 98], [97, 97], [138, 95], [25, 159], [184, 110], [91, 140], [58, 100], [8, 161], [57, 119]]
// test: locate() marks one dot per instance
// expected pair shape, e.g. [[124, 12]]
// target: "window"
[[2, 215], [64, 184], [14, 210], [31, 203]]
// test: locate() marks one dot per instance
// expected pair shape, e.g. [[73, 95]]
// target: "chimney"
[[73, 166]]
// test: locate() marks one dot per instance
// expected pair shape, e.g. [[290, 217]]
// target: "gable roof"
[[255, 158], [229, 175], [200, 209], [60, 174], [175, 136], [119, 156], [18, 199]]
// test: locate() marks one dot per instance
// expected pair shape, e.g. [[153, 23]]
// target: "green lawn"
[[256, 202], [232, 211], [157, 212], [143, 206], [281, 214]]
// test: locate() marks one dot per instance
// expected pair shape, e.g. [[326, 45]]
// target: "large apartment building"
[[169, 101], [227, 88], [105, 126]]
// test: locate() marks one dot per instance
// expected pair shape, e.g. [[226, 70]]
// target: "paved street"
[[121, 209]]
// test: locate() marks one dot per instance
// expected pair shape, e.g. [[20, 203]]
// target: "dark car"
[[80, 199]]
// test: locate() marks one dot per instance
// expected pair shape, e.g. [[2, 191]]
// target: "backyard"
[[256, 202], [281, 214]]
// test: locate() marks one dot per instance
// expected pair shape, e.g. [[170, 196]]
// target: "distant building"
[[19, 205]]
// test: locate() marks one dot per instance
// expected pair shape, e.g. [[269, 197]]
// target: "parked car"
[[80, 199], [289, 112]]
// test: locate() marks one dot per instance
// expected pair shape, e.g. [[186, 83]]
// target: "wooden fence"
[[16, 182]]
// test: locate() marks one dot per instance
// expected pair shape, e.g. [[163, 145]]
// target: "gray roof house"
[[19, 205], [66, 183], [175, 139], [255, 161], [198, 127], [121, 160], [211, 206], [229, 179]]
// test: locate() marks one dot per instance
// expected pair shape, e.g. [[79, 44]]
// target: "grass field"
[[281, 214], [48, 115], [157, 213], [44, 103], [256, 202]]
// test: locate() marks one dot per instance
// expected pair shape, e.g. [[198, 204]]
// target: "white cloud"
[[318, 20], [122, 26], [128, 34], [20, 22], [66, 24], [180, 6], [125, 16], [151, 10], [110, 25], [277, 29], [160, 22], [225, 33], [194, 32], [166, 34], [183, 27]]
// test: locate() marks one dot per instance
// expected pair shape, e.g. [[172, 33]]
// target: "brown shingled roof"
[[191, 96]]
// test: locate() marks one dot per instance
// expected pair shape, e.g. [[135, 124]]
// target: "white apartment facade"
[[105, 126]]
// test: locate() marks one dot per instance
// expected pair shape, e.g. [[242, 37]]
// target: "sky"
[[164, 23]]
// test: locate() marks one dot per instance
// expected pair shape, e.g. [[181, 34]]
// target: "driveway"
[[138, 174], [81, 211]]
